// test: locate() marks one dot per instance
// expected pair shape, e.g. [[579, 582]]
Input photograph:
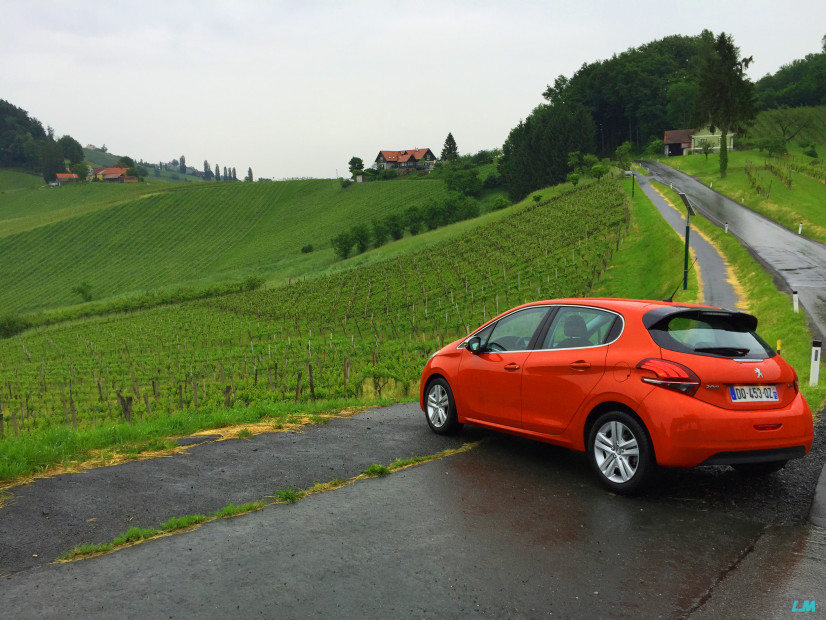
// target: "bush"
[[395, 226], [361, 237], [413, 220], [12, 325], [388, 174], [84, 290], [500, 202], [345, 183], [342, 244], [492, 181], [307, 248], [252, 283]]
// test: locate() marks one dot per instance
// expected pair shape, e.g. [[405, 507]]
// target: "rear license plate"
[[753, 393]]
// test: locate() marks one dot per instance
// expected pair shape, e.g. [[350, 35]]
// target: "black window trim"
[[616, 314], [545, 324]]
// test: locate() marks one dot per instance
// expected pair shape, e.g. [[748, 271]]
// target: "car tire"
[[440, 409], [759, 469], [620, 452]]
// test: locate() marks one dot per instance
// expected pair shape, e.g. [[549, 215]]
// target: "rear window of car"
[[713, 334]]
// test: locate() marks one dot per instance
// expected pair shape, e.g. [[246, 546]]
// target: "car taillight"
[[670, 375]]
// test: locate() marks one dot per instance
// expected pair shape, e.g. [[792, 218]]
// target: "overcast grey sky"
[[294, 89]]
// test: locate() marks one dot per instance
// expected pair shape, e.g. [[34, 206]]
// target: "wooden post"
[[228, 396], [195, 392], [312, 385], [146, 402], [298, 388]]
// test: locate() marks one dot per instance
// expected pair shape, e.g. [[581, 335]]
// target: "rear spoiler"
[[742, 320]]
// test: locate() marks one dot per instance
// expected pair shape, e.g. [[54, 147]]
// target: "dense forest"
[[633, 98]]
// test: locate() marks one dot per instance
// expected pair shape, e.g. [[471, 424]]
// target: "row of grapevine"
[[352, 333]]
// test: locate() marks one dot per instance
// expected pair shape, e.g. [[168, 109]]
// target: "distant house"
[[688, 141], [677, 141], [111, 175], [65, 177], [413, 159]]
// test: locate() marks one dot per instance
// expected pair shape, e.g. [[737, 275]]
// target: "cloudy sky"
[[296, 88]]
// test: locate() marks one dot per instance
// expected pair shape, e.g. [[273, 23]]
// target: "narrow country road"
[[799, 261]]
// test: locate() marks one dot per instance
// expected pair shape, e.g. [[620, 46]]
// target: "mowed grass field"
[[128, 239]]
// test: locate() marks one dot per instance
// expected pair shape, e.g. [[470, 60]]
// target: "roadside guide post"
[[689, 212], [814, 373], [795, 302]]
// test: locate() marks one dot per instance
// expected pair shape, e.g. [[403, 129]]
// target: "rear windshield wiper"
[[727, 351]]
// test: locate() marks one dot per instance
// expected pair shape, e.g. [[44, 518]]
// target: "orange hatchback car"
[[635, 384]]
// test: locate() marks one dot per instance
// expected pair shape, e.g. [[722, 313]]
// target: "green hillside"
[[359, 332], [123, 239]]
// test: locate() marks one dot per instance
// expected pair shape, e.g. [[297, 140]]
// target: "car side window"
[[575, 327], [514, 332]]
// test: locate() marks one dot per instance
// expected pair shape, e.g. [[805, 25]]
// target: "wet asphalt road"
[[511, 528], [799, 261], [716, 288]]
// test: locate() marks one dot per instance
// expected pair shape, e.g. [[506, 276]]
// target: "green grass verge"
[[26, 455], [803, 203], [649, 263]]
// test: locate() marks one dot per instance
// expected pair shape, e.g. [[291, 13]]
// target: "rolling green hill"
[[123, 239]]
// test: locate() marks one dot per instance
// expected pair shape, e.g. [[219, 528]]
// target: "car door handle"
[[511, 366], [580, 365]]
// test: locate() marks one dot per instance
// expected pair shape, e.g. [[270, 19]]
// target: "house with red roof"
[[65, 177], [111, 175], [405, 161]]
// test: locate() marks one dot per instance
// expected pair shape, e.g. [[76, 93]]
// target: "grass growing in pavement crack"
[[136, 535], [289, 496], [375, 471]]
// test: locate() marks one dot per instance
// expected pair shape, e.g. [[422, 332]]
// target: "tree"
[[623, 155], [51, 158], [183, 165], [71, 149], [81, 169], [249, 176], [125, 162], [598, 171], [705, 145], [217, 172], [380, 233], [463, 181], [207, 171], [726, 95], [342, 244], [450, 151], [356, 165], [226, 176], [361, 237], [234, 175]]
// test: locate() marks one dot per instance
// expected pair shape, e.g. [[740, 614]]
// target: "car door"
[[489, 381], [565, 368]]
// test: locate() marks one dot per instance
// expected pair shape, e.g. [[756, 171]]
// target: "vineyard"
[[356, 333], [197, 234]]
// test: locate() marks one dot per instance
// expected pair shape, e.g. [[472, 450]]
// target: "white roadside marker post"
[[795, 302], [814, 373]]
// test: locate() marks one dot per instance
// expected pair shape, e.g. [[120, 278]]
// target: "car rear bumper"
[[690, 432]]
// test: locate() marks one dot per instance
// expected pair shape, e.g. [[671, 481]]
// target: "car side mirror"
[[474, 345]]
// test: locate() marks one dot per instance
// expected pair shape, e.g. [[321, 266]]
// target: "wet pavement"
[[798, 261], [511, 528], [714, 273]]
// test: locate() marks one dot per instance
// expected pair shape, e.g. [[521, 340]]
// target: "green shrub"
[[307, 248]]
